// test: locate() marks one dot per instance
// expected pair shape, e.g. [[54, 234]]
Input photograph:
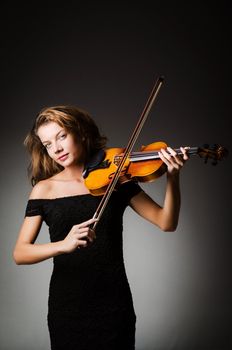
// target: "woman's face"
[[60, 144]]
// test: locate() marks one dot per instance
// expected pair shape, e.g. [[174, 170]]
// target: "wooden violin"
[[106, 169], [143, 166]]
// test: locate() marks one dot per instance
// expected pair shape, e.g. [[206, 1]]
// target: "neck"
[[153, 154], [72, 173]]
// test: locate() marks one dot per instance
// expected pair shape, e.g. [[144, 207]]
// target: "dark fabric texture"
[[90, 303]]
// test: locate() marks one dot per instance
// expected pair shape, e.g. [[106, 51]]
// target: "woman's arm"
[[25, 251], [166, 217]]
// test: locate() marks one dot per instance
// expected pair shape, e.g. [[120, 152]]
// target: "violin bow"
[[151, 99]]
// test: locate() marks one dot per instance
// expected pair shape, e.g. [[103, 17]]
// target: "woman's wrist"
[[173, 177]]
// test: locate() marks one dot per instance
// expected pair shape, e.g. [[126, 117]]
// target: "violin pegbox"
[[215, 152]]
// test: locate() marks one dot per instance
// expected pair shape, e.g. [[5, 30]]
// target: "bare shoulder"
[[41, 190]]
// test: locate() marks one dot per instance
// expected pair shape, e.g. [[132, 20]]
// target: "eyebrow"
[[55, 135]]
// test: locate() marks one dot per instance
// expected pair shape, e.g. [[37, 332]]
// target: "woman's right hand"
[[79, 236]]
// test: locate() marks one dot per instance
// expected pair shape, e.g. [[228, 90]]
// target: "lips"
[[63, 156]]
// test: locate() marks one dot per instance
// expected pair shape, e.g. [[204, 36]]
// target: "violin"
[[142, 166], [114, 165]]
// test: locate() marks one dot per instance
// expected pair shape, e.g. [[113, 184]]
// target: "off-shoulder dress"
[[90, 303]]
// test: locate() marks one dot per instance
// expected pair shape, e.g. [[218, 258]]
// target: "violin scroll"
[[215, 152]]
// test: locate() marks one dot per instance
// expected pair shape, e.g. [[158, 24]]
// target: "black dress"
[[90, 303]]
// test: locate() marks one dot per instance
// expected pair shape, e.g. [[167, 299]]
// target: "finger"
[[172, 158], [172, 161], [167, 160], [82, 243], [166, 154], [92, 234], [164, 159], [179, 159], [87, 236], [87, 239], [82, 230], [88, 222], [171, 151], [184, 150], [82, 235]]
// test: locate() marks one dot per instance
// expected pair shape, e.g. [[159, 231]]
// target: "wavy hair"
[[73, 120]]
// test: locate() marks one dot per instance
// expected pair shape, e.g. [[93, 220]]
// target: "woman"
[[90, 304]]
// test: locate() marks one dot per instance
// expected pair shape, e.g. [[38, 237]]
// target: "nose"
[[57, 148]]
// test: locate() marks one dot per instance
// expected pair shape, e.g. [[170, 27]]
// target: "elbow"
[[21, 257], [167, 222], [169, 227], [17, 259]]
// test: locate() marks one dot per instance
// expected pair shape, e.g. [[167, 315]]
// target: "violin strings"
[[154, 154]]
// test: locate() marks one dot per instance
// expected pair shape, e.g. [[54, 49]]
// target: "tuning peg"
[[215, 147]]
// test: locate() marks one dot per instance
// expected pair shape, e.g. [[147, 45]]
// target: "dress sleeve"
[[129, 189], [34, 207]]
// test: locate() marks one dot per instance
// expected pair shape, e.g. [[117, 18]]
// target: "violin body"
[[143, 170]]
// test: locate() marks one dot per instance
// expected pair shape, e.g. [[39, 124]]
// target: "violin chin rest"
[[96, 159]]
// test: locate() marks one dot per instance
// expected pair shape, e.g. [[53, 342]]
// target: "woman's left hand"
[[173, 161]]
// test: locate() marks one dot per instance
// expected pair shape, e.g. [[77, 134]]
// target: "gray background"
[[105, 58]]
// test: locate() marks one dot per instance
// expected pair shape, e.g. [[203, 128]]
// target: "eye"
[[62, 136]]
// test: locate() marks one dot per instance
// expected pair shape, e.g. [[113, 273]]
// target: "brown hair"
[[73, 120]]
